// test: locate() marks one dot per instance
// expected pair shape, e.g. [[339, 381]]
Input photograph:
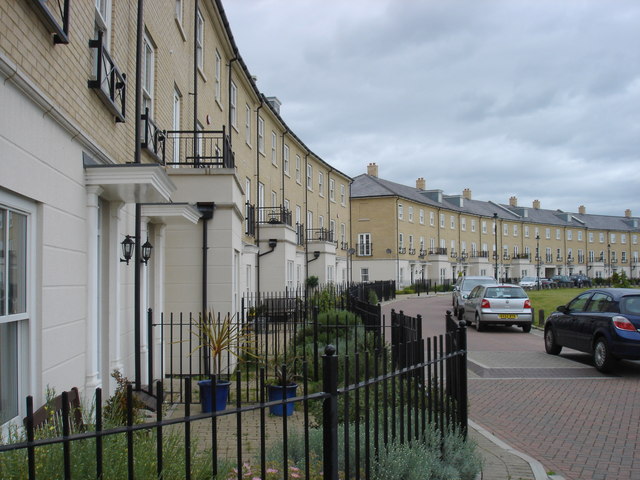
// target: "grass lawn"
[[548, 300]]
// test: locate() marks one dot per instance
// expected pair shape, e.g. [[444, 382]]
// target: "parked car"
[[604, 322], [463, 287], [580, 280], [528, 282], [498, 305], [547, 283], [562, 281]]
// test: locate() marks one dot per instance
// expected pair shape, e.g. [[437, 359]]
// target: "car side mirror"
[[563, 309]]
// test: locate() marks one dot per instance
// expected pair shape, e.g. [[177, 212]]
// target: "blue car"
[[604, 322]]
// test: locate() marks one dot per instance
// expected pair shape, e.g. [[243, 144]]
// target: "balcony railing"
[[250, 220], [200, 148], [402, 250], [438, 251], [481, 254], [412, 251], [521, 256], [319, 234], [153, 139], [422, 253], [274, 215], [57, 21], [344, 245], [110, 84]]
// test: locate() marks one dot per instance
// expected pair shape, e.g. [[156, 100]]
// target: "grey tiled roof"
[[365, 186]]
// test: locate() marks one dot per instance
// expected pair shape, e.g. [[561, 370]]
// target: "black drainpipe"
[[257, 212], [282, 172], [306, 212], [206, 209], [138, 215]]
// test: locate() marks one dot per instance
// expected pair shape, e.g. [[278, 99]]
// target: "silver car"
[[463, 287], [498, 305]]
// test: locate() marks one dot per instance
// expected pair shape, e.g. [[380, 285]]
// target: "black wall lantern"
[[127, 249]]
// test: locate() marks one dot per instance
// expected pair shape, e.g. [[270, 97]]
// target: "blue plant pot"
[[276, 392], [208, 400]]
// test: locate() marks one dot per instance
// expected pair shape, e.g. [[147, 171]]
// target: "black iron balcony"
[[412, 251], [344, 245], [402, 250], [549, 258], [250, 220], [481, 254], [506, 256], [200, 148], [422, 253], [153, 139], [274, 215], [521, 256], [438, 251], [364, 249], [319, 234], [57, 21], [110, 84]]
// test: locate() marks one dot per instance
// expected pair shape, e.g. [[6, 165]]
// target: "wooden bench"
[[51, 413]]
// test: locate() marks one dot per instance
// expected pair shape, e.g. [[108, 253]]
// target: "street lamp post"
[[538, 261], [495, 254]]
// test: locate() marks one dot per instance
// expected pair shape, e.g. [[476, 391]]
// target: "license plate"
[[504, 315]]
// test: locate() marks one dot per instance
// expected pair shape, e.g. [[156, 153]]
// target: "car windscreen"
[[630, 305], [505, 292], [470, 284]]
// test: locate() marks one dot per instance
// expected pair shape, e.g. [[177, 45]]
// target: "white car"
[[507, 305], [528, 282]]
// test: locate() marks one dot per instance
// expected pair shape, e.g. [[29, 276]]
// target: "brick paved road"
[[577, 422]]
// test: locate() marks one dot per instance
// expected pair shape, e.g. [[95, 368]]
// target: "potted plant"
[[283, 388], [217, 337]]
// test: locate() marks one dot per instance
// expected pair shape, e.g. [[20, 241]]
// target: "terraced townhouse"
[[142, 172], [415, 233]]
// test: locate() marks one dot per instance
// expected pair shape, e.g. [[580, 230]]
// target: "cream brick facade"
[[211, 199], [417, 234]]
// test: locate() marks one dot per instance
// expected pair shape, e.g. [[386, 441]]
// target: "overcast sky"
[[536, 99]]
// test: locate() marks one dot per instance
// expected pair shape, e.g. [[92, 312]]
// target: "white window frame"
[[309, 177], [247, 124], [298, 169], [274, 148], [175, 124], [364, 245], [421, 216], [200, 40], [285, 159], [22, 320], [217, 79], [233, 104], [410, 213], [261, 135], [321, 184], [148, 75], [332, 190], [342, 194]]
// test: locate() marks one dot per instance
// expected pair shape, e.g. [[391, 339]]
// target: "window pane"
[[8, 371], [17, 278]]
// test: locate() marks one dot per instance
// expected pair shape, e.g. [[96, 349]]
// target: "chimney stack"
[[372, 170], [536, 204], [513, 201], [466, 194], [627, 213], [582, 210], [421, 184]]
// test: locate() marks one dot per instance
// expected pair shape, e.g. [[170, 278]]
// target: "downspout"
[[257, 224], [138, 215], [306, 215], [206, 209], [195, 75], [397, 244]]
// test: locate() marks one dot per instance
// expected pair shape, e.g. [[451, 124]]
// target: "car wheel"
[[550, 344], [526, 328], [602, 358], [479, 326]]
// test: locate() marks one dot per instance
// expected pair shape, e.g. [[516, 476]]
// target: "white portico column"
[[92, 348], [115, 289]]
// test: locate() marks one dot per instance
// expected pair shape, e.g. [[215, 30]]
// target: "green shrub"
[[372, 297]]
